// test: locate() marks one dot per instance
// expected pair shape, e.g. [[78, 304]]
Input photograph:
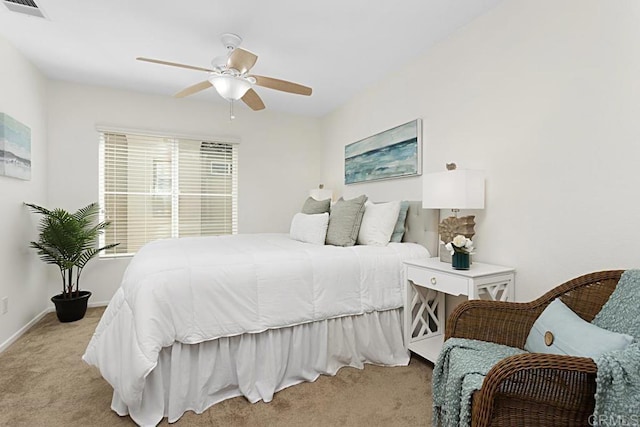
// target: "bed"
[[179, 335]]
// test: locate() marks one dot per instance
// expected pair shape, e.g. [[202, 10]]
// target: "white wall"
[[22, 274], [545, 97], [278, 156]]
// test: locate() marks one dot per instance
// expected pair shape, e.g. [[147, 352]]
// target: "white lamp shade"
[[455, 189], [229, 87], [321, 194]]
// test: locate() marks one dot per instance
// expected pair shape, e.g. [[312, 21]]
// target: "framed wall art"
[[394, 153], [15, 148]]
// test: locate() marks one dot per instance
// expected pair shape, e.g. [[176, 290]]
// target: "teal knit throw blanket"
[[459, 371], [618, 378]]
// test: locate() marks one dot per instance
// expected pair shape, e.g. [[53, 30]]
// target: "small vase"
[[460, 261]]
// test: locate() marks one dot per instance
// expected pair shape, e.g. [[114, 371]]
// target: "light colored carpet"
[[43, 382]]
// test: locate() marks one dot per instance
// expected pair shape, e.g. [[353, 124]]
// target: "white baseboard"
[[24, 329], [98, 304], [35, 320]]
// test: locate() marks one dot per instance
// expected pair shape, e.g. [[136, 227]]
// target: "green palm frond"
[[48, 255], [39, 209], [89, 254], [87, 212]]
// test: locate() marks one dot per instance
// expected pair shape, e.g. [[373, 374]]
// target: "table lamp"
[[454, 189]]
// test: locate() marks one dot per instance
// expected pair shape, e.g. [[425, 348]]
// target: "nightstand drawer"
[[453, 285]]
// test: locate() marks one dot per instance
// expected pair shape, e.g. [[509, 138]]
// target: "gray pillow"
[[398, 231], [312, 206], [344, 221]]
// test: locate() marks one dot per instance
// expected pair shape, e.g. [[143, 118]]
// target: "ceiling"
[[337, 47]]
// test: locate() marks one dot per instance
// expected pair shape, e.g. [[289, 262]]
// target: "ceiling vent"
[[26, 7]]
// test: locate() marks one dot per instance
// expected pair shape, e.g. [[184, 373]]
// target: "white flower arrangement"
[[460, 243]]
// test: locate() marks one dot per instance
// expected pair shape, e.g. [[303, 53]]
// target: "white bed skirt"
[[197, 376]]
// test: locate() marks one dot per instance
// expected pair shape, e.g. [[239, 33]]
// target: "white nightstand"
[[428, 280]]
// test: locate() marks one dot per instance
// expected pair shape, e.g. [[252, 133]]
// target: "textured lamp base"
[[452, 226]]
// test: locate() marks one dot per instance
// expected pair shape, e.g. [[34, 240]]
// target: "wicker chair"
[[533, 388]]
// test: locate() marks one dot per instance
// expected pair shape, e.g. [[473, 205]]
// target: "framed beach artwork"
[[394, 153], [15, 148]]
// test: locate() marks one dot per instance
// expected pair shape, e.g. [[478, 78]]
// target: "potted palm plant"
[[68, 240]]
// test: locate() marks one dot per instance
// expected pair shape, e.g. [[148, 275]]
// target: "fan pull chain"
[[231, 115]]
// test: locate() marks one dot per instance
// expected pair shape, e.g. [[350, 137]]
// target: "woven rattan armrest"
[[536, 389], [493, 321]]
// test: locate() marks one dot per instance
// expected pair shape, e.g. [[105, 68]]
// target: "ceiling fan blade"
[[241, 60], [252, 99], [282, 85], [193, 89], [174, 64]]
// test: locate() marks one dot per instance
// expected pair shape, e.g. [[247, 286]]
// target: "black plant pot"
[[71, 309]]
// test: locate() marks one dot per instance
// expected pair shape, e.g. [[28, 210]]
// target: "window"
[[154, 187]]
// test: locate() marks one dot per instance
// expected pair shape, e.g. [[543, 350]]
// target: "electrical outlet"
[[4, 305]]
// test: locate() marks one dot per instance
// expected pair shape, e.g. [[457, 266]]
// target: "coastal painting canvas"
[[394, 153], [15, 148]]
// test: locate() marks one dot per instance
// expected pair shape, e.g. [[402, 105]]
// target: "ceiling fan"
[[230, 76]]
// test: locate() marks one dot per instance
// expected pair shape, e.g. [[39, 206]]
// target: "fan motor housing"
[[230, 40]]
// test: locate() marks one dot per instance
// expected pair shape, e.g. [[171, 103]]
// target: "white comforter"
[[192, 290]]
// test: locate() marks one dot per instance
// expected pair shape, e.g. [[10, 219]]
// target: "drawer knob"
[[433, 280]]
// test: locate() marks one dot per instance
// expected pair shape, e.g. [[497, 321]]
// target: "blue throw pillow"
[[559, 330], [398, 231]]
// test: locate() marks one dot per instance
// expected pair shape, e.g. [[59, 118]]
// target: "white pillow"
[[378, 223], [309, 228]]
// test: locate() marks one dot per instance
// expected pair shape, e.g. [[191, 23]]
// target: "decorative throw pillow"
[[312, 206], [309, 228], [559, 330], [398, 231], [378, 222], [345, 220]]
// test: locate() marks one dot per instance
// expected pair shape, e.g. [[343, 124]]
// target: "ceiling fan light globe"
[[229, 87]]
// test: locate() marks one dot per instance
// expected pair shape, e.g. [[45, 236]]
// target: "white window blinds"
[[155, 187]]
